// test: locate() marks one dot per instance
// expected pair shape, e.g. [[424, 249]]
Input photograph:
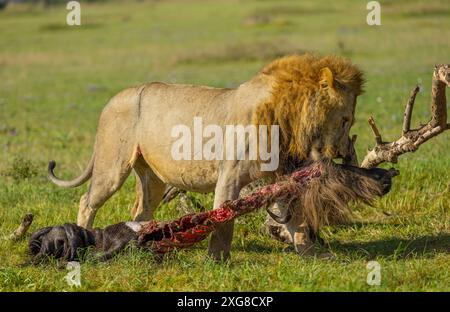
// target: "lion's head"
[[313, 102]]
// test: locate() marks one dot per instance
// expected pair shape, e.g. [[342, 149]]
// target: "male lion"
[[312, 99]]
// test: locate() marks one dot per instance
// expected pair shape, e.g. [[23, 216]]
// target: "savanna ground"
[[55, 79]]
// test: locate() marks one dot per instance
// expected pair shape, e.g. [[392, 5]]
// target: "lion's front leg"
[[228, 187], [220, 242]]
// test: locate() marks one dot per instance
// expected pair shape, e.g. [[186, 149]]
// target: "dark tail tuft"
[[51, 166]]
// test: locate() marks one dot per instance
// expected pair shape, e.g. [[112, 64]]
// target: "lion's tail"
[[86, 175]]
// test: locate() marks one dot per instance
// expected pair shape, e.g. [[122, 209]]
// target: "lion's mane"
[[298, 104]]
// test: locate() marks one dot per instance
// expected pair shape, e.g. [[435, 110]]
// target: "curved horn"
[[280, 219]]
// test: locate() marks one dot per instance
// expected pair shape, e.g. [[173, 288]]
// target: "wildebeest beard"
[[320, 191]]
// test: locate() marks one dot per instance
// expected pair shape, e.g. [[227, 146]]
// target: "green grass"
[[55, 80]]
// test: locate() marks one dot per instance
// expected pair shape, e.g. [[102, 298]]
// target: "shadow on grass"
[[387, 221], [397, 248], [258, 247]]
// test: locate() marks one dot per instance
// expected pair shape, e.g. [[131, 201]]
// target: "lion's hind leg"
[[103, 185], [149, 191], [115, 152], [111, 168]]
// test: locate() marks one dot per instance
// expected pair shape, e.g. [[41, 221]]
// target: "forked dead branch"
[[411, 139]]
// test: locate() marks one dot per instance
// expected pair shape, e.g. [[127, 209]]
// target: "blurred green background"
[[55, 80]]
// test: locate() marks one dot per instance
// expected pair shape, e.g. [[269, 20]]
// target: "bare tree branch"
[[441, 79], [375, 131], [408, 110], [412, 139]]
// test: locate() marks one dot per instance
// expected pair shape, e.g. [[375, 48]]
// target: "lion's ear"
[[326, 78]]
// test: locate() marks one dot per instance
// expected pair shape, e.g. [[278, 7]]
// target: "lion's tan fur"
[[135, 132], [298, 103]]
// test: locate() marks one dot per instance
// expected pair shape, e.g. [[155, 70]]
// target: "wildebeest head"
[[325, 199]]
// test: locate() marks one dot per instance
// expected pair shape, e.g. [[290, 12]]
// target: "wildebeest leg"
[[111, 252], [286, 232], [23, 227], [300, 235], [149, 191], [275, 229]]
